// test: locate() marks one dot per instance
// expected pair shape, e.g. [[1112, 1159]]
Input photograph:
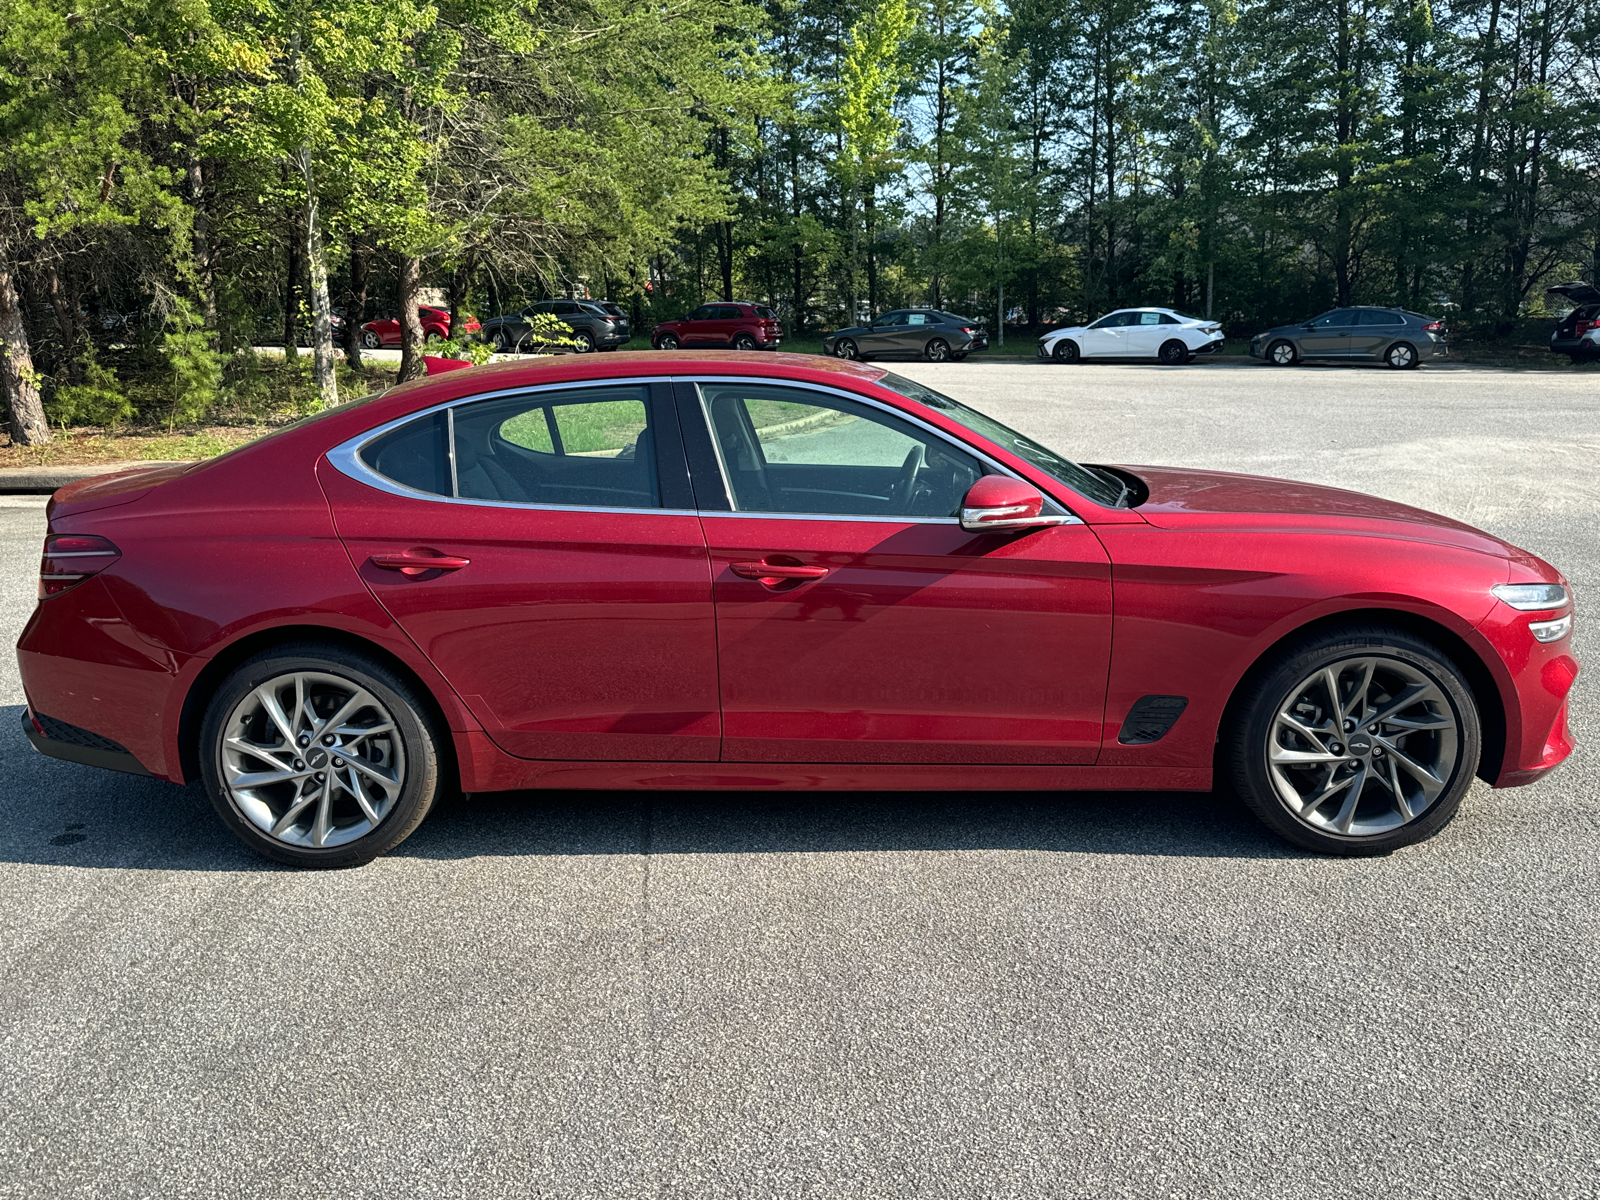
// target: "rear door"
[[856, 620], [1145, 335], [572, 607], [1374, 330]]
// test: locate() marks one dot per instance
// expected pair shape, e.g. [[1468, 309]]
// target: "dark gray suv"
[[910, 332], [1359, 334], [595, 325]]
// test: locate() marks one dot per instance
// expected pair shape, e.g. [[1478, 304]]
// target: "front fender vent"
[[1150, 718]]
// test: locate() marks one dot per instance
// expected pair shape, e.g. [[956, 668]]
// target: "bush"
[[196, 369], [98, 400]]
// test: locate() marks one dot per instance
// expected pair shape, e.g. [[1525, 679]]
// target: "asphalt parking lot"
[[608, 995]]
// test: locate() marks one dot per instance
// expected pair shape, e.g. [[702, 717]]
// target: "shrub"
[[98, 400], [196, 369]]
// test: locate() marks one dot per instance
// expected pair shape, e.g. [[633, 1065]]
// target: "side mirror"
[[998, 502]]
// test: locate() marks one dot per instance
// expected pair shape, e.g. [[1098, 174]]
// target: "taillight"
[[1433, 327], [966, 329], [70, 558], [1582, 327]]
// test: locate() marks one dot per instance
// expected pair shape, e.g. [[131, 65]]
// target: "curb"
[[44, 480]]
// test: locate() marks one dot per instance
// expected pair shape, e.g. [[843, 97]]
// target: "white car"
[[1158, 333]]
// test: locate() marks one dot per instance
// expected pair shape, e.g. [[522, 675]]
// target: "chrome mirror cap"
[[985, 520]]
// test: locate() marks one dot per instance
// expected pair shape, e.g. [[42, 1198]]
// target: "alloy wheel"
[[312, 759], [1281, 354], [1363, 746], [938, 350], [1401, 356], [844, 348]]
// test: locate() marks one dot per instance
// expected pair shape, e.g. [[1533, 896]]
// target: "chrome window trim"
[[949, 439], [346, 456]]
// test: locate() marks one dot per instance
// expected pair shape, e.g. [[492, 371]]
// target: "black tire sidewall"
[[1176, 360], [1388, 356], [424, 748], [1066, 350], [1251, 725]]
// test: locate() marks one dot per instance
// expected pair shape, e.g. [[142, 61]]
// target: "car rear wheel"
[[1066, 351], [1402, 356], [938, 350], [582, 342], [667, 341], [432, 336], [316, 756], [1282, 353], [845, 348], [744, 341], [1173, 352], [371, 340], [1358, 742]]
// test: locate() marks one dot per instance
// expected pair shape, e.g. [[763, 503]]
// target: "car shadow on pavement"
[[60, 814]]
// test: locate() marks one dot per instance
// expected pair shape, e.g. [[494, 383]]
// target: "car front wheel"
[[1358, 742], [316, 756], [1282, 353], [371, 340], [845, 348], [1066, 351], [667, 341]]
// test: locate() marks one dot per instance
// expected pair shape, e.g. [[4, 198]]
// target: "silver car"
[[1358, 334]]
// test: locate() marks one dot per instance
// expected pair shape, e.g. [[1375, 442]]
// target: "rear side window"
[[1169, 319], [590, 447], [727, 312], [1379, 316], [766, 314], [414, 456], [1149, 318]]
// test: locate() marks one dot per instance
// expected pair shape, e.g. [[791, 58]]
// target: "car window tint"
[[1149, 318], [918, 319], [591, 447], [1339, 316], [1169, 319], [1380, 316], [766, 314], [703, 313], [731, 312], [414, 455], [889, 320], [788, 450]]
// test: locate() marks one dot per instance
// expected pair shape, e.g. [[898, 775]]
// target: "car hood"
[[853, 331], [1183, 498], [1578, 293], [1069, 329]]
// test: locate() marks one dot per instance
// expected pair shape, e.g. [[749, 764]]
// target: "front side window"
[[889, 320], [703, 313], [1115, 321], [1102, 489], [790, 450], [1338, 317]]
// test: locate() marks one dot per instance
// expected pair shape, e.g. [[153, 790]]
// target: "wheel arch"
[[1480, 680], [223, 662]]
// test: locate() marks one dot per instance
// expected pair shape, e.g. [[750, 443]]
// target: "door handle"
[[772, 574], [416, 561]]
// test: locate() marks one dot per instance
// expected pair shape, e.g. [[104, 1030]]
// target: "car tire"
[[1282, 736], [1402, 356], [845, 348], [1066, 351], [667, 341], [431, 337], [415, 755], [743, 341], [582, 342], [501, 341], [1173, 353], [371, 340], [937, 350], [1282, 353]]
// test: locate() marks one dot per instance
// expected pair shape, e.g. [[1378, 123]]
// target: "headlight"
[[1551, 631], [1531, 597]]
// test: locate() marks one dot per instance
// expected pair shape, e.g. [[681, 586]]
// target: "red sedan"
[[760, 571], [435, 328]]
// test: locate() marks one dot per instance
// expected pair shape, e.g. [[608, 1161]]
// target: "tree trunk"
[[66, 308], [411, 364], [201, 243], [291, 292], [355, 310], [321, 308], [460, 290], [18, 384]]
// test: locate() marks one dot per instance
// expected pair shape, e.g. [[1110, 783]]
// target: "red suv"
[[735, 323]]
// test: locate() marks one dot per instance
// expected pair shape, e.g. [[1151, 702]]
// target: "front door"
[[858, 622], [698, 325], [572, 611], [1329, 335], [1107, 337], [882, 336]]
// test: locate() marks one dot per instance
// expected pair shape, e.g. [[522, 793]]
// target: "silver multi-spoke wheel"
[[1281, 354], [312, 759], [1363, 746]]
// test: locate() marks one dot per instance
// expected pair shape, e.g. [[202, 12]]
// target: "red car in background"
[[435, 328], [756, 571], [735, 324]]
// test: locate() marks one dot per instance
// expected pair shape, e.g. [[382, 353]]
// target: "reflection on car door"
[[857, 621], [881, 336], [1329, 335], [576, 622], [1106, 337], [1145, 334], [1373, 331], [917, 333]]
